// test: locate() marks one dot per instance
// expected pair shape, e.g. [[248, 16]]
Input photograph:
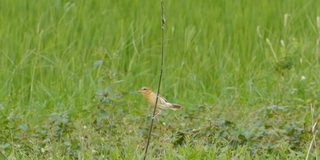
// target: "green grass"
[[69, 72]]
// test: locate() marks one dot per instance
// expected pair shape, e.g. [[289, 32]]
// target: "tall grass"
[[56, 57]]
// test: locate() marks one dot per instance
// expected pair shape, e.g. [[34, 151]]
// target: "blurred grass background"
[[69, 72]]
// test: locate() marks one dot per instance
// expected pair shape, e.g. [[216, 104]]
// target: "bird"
[[162, 102]]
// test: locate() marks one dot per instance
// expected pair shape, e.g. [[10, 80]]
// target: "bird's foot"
[[155, 115]]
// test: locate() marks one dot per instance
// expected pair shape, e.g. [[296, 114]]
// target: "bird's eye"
[[144, 88]]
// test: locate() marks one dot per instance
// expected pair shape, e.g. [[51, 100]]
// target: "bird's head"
[[145, 90]]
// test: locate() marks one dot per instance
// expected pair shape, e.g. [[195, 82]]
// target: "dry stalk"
[[314, 133], [160, 79]]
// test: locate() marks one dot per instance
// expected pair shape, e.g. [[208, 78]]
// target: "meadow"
[[246, 73]]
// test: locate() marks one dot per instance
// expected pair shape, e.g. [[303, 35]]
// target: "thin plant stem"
[[314, 133], [160, 79]]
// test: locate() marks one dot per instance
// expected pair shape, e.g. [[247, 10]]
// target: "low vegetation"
[[246, 73]]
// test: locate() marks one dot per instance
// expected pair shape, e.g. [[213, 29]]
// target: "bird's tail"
[[175, 106]]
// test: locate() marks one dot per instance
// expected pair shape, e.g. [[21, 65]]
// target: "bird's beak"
[[140, 90]]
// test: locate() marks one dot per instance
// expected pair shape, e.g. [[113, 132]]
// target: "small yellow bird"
[[162, 102]]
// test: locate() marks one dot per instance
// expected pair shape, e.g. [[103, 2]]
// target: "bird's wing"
[[162, 99], [164, 104]]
